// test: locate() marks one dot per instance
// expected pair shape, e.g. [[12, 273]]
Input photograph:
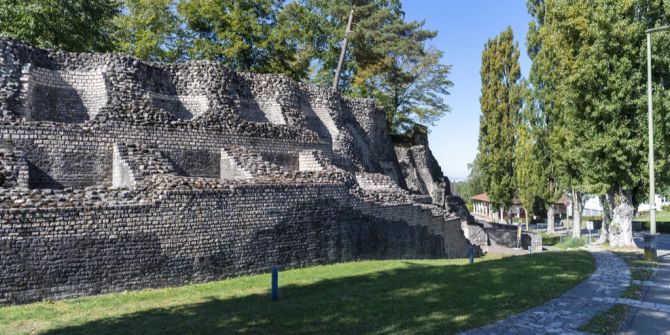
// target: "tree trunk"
[[606, 201], [621, 227], [526, 212], [509, 215], [550, 219], [576, 214]]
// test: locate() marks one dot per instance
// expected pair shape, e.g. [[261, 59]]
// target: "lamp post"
[[650, 239]]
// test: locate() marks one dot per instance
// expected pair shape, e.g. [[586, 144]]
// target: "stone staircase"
[[378, 182], [314, 160], [135, 162], [241, 163]]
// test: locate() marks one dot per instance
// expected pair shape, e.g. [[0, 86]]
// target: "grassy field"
[[607, 322], [367, 297], [660, 217]]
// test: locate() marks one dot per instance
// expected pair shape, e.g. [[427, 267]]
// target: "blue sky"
[[463, 28]]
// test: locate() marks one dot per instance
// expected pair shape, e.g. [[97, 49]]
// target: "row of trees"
[[389, 58], [577, 124]]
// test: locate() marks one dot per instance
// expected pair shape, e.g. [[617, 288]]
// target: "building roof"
[[481, 197], [485, 198], [562, 201]]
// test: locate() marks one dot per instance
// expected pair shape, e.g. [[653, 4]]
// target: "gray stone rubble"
[[121, 174]]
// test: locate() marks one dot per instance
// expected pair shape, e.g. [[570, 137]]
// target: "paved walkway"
[[651, 315], [563, 315]]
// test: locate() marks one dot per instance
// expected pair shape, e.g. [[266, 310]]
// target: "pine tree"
[[387, 59], [500, 104]]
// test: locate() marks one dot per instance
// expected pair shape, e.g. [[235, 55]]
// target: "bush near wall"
[[661, 227]]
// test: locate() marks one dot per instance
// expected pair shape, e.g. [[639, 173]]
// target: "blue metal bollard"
[[471, 252], [275, 283]]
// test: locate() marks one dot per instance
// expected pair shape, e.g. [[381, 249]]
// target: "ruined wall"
[[423, 177], [197, 235], [123, 174]]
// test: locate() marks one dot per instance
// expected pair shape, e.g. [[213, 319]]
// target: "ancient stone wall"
[[423, 177], [123, 174]]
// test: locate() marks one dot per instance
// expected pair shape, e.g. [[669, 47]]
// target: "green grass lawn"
[[572, 242], [660, 217], [367, 297], [608, 322], [635, 259]]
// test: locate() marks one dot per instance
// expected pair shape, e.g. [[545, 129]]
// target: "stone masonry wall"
[[423, 177], [122, 174], [202, 235]]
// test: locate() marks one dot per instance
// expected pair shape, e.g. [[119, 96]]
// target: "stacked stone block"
[[130, 174], [13, 169], [313, 160]]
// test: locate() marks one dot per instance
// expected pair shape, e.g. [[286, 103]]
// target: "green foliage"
[[349, 298], [572, 243], [540, 100], [589, 76], [632, 292], [150, 29], [74, 25], [607, 322], [661, 227], [475, 182], [388, 58], [417, 135], [641, 274], [245, 35], [472, 186], [635, 259], [550, 238], [500, 103], [410, 89], [531, 182]]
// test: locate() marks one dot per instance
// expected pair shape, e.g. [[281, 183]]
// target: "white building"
[[593, 207]]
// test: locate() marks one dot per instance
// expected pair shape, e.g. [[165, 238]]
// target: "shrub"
[[661, 227], [550, 238], [572, 242]]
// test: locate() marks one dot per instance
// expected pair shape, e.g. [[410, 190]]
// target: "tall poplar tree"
[[550, 135], [500, 105], [592, 55], [528, 159]]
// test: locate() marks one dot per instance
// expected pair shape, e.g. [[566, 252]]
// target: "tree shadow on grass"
[[418, 299]]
